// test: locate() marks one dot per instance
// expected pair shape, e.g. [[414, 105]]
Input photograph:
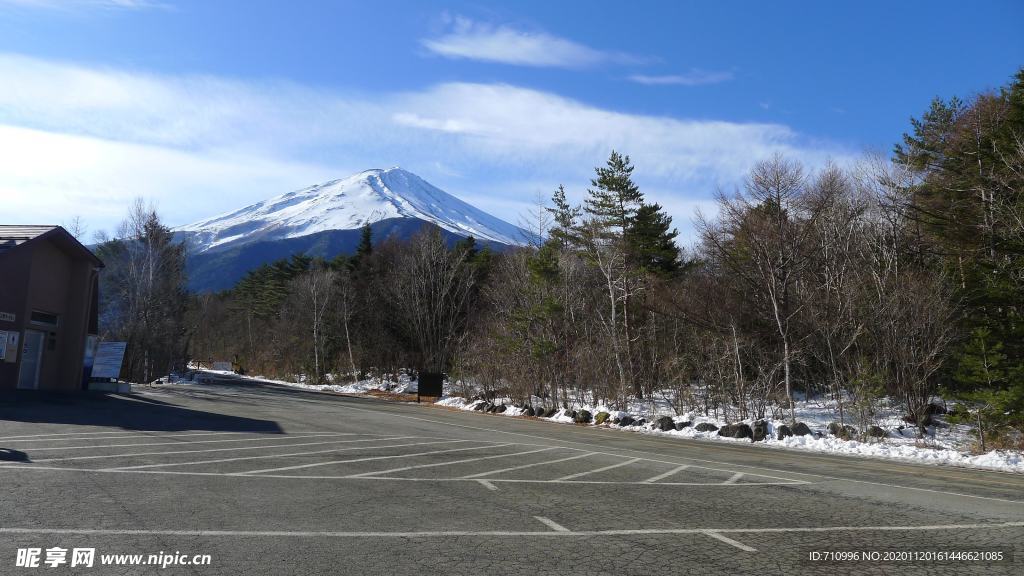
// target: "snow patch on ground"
[[398, 384], [945, 445]]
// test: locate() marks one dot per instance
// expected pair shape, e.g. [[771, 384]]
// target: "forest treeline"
[[896, 277]]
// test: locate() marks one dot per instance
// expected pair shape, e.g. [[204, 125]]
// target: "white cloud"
[[691, 78], [48, 177], [471, 40], [81, 140], [510, 125]]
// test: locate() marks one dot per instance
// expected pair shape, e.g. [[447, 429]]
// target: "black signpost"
[[429, 384]]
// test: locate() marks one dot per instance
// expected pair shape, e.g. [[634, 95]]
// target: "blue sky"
[[203, 106]]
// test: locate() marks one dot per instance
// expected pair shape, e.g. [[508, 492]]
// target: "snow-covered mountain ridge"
[[347, 204]]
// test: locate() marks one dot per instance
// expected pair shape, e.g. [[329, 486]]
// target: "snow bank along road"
[[271, 480]]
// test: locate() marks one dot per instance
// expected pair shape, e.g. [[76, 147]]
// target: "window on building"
[[45, 319]]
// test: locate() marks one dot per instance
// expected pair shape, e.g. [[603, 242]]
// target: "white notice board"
[[107, 363]]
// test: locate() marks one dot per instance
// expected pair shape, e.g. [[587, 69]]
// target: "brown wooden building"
[[49, 293]]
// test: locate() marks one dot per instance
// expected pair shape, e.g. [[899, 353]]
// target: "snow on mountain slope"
[[348, 204]]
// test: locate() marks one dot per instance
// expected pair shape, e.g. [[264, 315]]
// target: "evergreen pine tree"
[[365, 247], [468, 246], [614, 198], [650, 239], [566, 219]]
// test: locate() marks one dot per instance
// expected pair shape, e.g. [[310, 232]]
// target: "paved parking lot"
[[270, 480]]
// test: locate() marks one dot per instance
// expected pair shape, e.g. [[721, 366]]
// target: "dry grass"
[[1005, 441]]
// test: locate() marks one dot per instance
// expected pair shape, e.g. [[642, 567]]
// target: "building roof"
[[14, 235]]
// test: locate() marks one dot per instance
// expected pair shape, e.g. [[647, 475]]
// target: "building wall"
[[15, 267], [41, 276]]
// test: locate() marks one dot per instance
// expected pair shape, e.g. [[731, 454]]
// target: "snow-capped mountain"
[[365, 198], [324, 220]]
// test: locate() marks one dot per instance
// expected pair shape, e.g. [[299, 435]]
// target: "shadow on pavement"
[[125, 411], [11, 455]]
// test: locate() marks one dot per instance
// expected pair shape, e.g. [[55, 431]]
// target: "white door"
[[31, 358]]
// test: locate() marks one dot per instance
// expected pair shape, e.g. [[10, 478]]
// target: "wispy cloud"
[[472, 40], [691, 78], [81, 140]]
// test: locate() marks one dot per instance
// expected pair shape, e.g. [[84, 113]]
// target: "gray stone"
[[784, 432], [626, 420], [736, 431], [801, 429], [877, 432], [759, 430], [705, 427], [681, 425], [840, 431], [583, 417], [665, 423]]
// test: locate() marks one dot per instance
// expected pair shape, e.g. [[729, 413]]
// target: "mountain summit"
[[347, 204], [324, 220]]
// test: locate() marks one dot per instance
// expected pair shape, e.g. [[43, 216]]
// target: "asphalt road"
[[271, 480]]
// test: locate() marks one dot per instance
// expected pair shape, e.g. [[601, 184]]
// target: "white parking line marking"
[[664, 475], [453, 462], [496, 480], [251, 472], [118, 436], [264, 456], [181, 442], [125, 436], [233, 448], [450, 463], [724, 447], [552, 524], [523, 533], [487, 485], [566, 441], [729, 541], [734, 478], [612, 467], [521, 466], [59, 435]]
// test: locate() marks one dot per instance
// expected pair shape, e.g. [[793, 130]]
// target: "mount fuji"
[[325, 220]]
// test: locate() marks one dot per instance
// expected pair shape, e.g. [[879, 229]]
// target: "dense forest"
[[898, 277]]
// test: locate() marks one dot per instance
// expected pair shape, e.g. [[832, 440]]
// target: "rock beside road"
[[736, 431], [665, 423], [801, 429], [760, 431], [705, 427], [838, 430]]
